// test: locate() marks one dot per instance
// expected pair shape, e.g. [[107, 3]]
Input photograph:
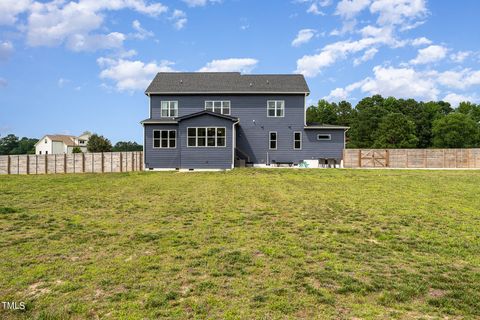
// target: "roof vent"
[[251, 84], [268, 82], [181, 81]]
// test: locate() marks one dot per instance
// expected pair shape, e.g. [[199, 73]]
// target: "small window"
[[272, 140], [275, 108], [46, 152], [45, 140], [165, 139], [40, 152], [169, 109], [206, 137], [222, 107], [297, 140], [323, 136]]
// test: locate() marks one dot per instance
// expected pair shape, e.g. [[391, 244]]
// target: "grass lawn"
[[246, 244]]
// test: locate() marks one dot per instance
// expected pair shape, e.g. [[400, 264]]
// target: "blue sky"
[[70, 66]]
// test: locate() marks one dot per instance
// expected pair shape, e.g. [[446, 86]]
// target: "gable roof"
[[226, 82], [66, 139], [188, 116]]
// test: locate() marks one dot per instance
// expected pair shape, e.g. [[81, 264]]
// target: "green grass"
[[246, 244]]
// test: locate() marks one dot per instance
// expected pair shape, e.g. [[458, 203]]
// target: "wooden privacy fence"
[[411, 158], [72, 163]]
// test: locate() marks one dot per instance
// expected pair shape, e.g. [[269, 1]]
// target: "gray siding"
[[160, 158], [254, 126], [206, 157]]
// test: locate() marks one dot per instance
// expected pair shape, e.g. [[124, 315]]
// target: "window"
[[46, 152], [81, 141], [297, 140], [169, 109], [275, 108], [164, 139], [222, 107], [272, 143], [322, 136], [45, 140], [40, 152], [206, 137]]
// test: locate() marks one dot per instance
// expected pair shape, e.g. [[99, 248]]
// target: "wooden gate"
[[377, 158]]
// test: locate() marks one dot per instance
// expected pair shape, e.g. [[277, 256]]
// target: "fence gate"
[[373, 158]]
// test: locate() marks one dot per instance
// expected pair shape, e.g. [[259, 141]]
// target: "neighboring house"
[[212, 120], [59, 143]]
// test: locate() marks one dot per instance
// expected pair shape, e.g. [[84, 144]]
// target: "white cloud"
[[10, 9], [410, 83], [131, 75], [313, 9], [62, 82], [398, 12], [199, 3], [3, 82], [141, 33], [80, 42], [348, 9], [244, 65], [74, 23], [179, 19], [430, 54], [303, 36], [421, 41], [368, 55], [455, 99], [460, 56], [6, 50]]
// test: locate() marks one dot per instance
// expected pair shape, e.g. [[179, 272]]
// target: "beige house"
[[59, 143]]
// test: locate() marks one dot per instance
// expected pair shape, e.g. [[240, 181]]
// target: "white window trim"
[[206, 137], [324, 134], [168, 139], [221, 107], [301, 140], [276, 101], [169, 109], [270, 140]]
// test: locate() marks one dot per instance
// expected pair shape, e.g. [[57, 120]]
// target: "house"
[[207, 120], [59, 143]]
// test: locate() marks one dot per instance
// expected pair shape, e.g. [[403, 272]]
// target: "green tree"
[[395, 131], [127, 146], [455, 130], [25, 146], [471, 109], [76, 150], [8, 143], [369, 112], [324, 112], [98, 143]]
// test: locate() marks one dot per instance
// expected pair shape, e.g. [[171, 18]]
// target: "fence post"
[[103, 162], [28, 164], [18, 164], [359, 158], [133, 162], [141, 160], [121, 162], [64, 163], [83, 162], [36, 164], [8, 164]]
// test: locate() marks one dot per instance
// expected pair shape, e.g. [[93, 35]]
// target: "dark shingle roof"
[[226, 82], [188, 116]]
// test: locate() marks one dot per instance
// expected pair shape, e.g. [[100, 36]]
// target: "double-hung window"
[[272, 140], [222, 107], [169, 109], [275, 108], [297, 140], [206, 137], [164, 139]]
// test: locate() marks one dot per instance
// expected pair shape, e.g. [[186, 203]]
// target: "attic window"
[[322, 137]]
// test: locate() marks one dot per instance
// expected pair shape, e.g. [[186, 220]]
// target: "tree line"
[[11, 144], [378, 122]]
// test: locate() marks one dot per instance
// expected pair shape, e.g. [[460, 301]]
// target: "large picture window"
[[222, 107], [276, 108], [206, 137], [272, 140], [164, 138], [169, 109], [297, 140]]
